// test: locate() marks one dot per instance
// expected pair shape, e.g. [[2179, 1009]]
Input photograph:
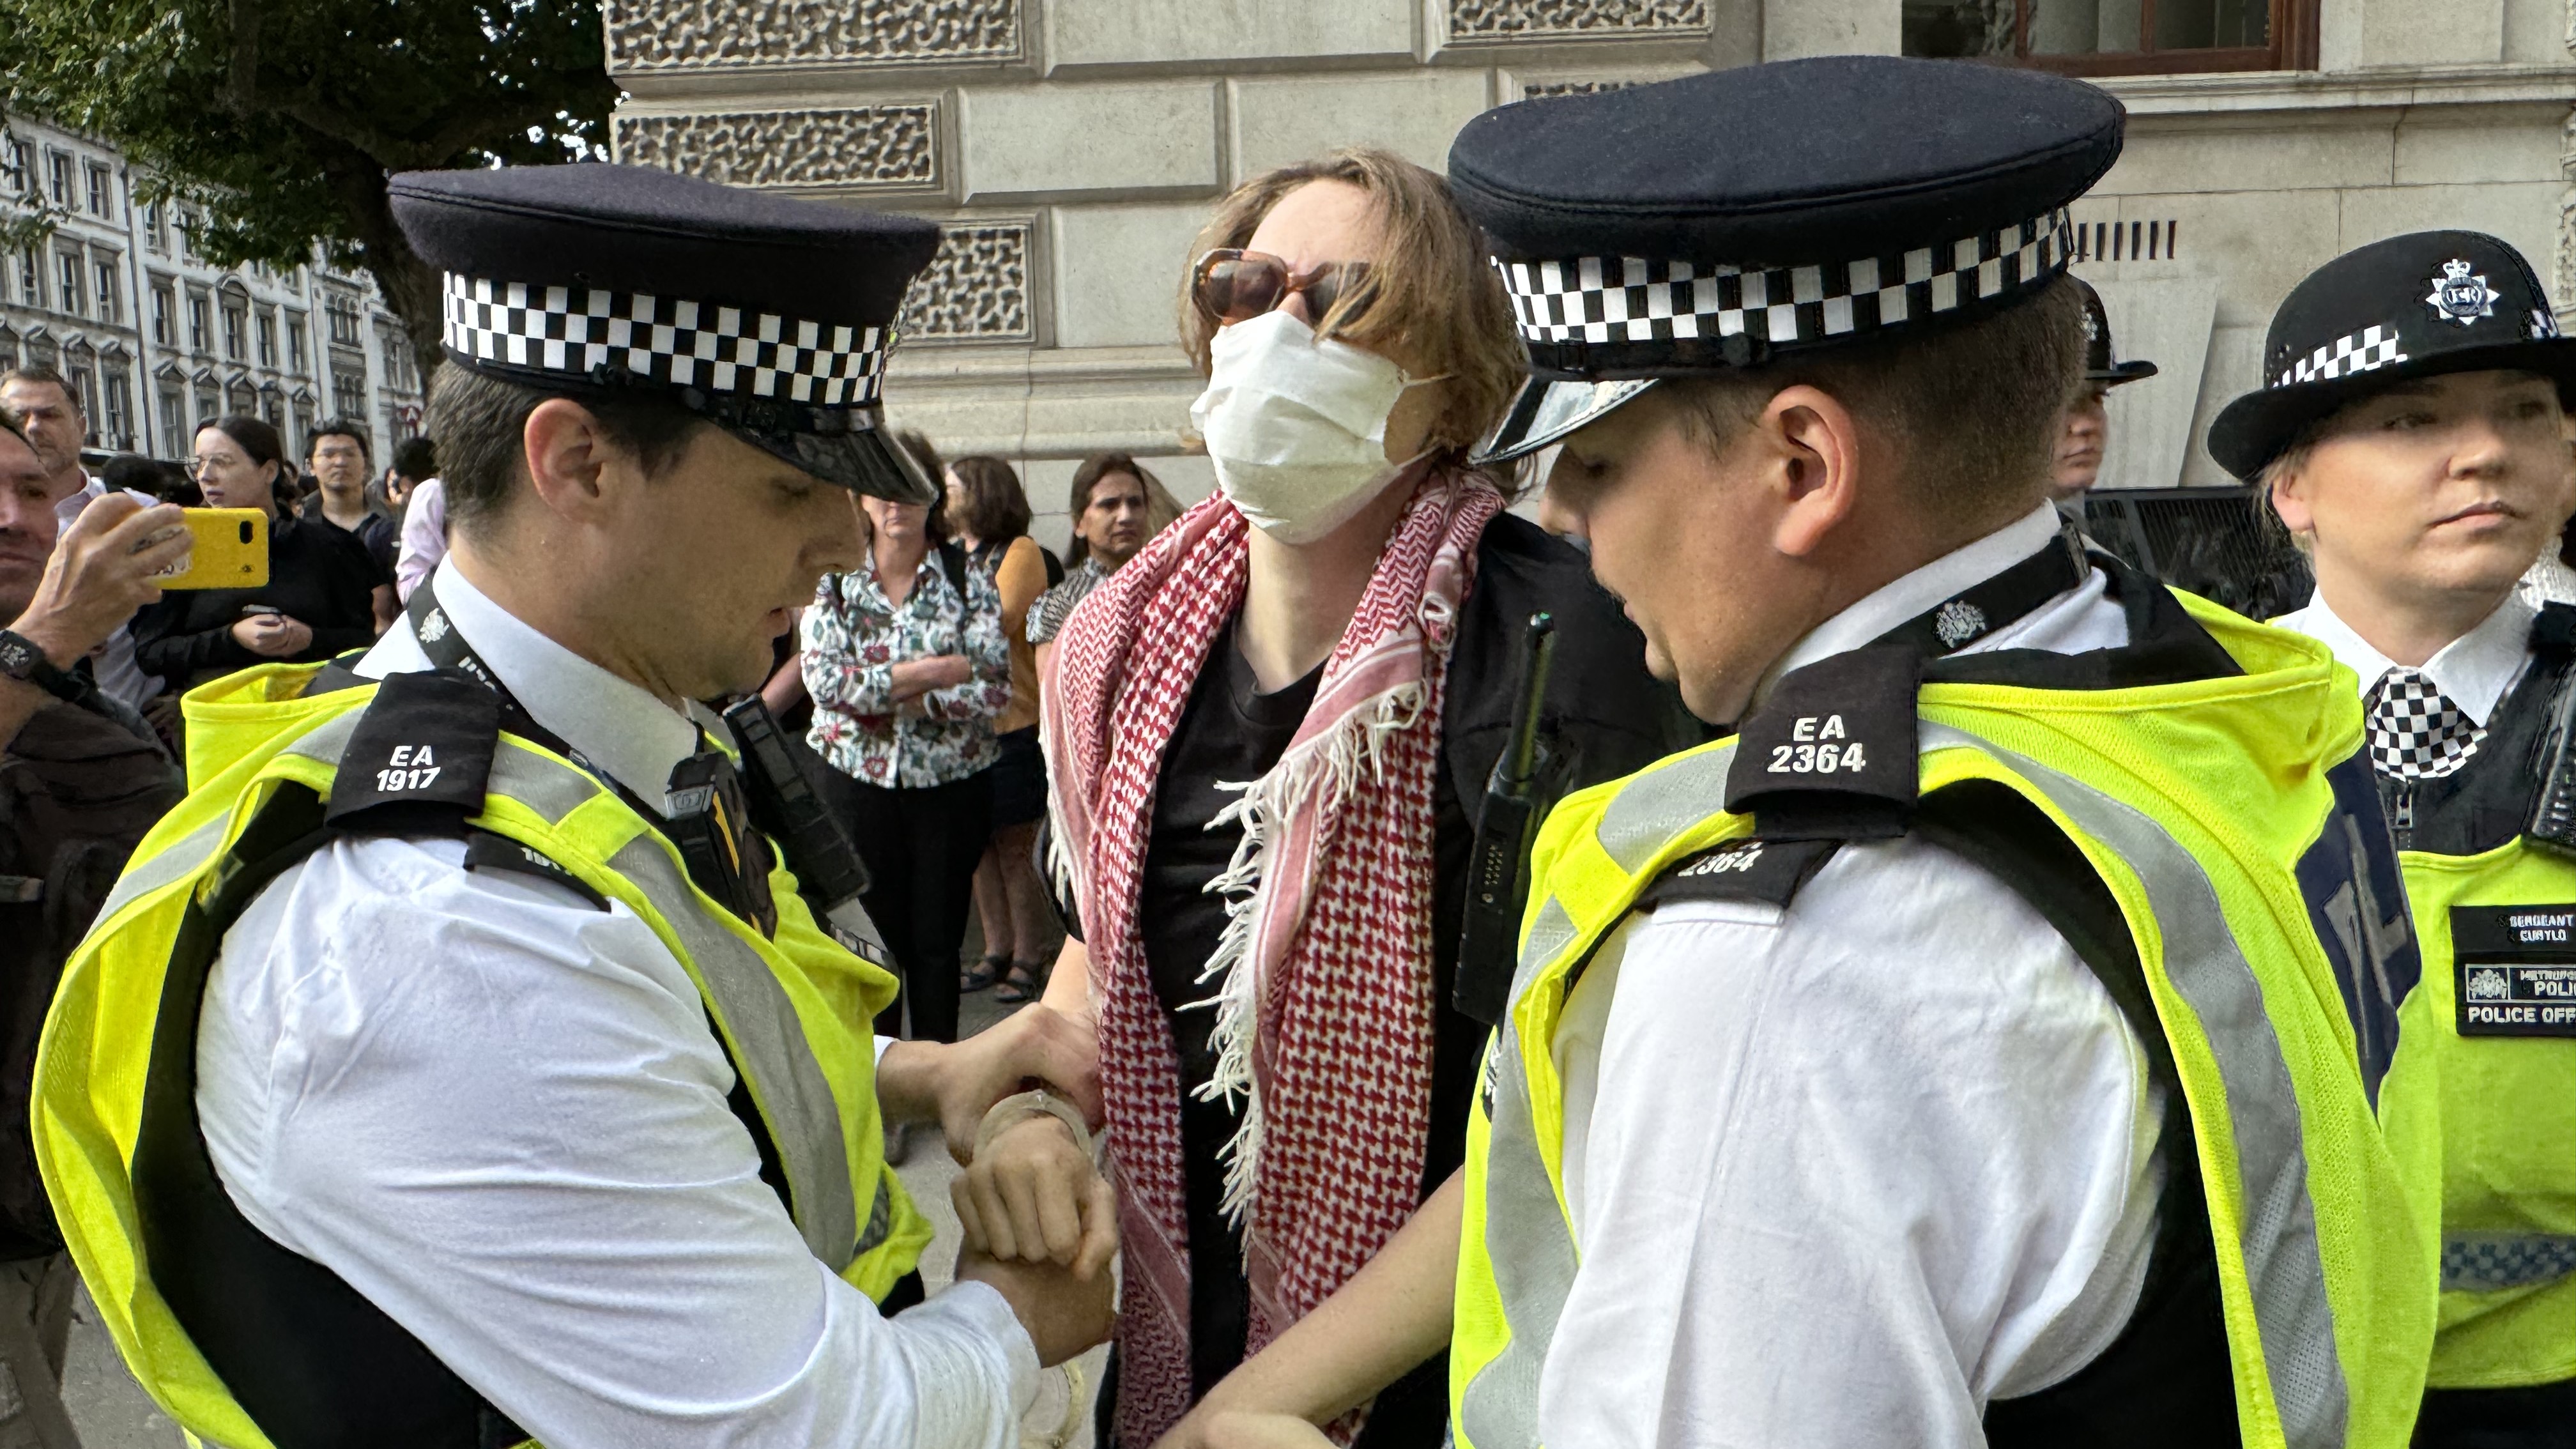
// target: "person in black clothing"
[[338, 457], [1384, 292], [81, 779], [318, 601]]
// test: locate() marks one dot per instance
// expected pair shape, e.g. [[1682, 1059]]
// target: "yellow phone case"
[[231, 550]]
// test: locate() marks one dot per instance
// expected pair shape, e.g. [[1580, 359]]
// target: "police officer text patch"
[[2516, 969]]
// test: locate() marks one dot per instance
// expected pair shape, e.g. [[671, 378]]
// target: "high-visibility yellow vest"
[[2199, 805], [2496, 913], [792, 1011], [2508, 1124]]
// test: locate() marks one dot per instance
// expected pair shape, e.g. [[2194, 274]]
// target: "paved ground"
[[114, 1413]]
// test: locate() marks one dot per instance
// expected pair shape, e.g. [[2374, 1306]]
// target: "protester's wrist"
[[1028, 1106]]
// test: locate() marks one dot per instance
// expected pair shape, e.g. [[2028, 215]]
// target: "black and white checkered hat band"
[[1628, 299], [2371, 347], [724, 350]]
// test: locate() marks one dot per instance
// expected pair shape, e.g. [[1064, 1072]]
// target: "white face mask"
[[1297, 426]]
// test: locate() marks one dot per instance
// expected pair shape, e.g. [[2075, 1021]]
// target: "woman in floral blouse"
[[908, 667]]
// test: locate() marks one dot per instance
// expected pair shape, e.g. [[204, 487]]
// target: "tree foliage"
[[280, 120]]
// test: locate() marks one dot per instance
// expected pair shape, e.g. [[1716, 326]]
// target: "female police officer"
[[456, 1066], [1949, 1057], [2411, 434]]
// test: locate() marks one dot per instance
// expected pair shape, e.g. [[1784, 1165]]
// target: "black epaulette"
[[485, 850], [419, 759], [1829, 758]]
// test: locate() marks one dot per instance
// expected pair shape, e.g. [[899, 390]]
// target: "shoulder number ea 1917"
[[1818, 751], [413, 768]]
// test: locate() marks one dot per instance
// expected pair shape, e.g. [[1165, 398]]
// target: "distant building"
[[1072, 150], [157, 340]]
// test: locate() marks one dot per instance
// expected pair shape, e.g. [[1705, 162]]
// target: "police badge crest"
[[2460, 295], [2488, 984]]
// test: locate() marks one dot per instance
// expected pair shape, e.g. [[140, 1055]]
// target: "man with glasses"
[[337, 457]]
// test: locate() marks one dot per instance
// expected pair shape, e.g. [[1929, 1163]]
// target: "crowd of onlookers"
[[914, 680]]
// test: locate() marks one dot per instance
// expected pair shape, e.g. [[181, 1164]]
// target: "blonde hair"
[[1431, 294]]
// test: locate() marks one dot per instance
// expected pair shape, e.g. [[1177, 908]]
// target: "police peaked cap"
[[1728, 219], [2412, 306], [769, 317]]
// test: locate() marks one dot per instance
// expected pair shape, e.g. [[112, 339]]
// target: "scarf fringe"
[[1334, 760]]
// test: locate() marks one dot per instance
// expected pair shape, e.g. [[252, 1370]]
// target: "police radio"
[[1489, 936], [2553, 805], [819, 852]]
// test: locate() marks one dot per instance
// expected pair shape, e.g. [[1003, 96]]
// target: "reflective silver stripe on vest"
[[1660, 804], [2492, 1262], [1533, 1259], [187, 855], [794, 1098], [2283, 1263]]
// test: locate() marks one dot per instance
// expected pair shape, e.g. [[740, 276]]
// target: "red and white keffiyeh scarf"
[[1325, 1011]]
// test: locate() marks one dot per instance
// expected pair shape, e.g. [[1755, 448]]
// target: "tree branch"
[[241, 91]]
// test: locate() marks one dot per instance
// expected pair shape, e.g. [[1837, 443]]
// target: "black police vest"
[[2488, 801]]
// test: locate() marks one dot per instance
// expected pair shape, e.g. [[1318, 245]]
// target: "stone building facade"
[[157, 340], [1072, 148]]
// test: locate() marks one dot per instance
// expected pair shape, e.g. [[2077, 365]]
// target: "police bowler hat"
[[2418, 305]]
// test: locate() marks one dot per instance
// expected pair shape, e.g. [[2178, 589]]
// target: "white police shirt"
[[499, 1114], [1842, 1174], [2476, 670]]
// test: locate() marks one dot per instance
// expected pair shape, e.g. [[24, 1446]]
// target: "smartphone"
[[231, 550]]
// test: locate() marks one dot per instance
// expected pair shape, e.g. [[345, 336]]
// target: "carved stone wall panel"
[[1473, 20], [976, 289], [2563, 282], [882, 145], [675, 34]]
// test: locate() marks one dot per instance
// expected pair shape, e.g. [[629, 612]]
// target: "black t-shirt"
[[318, 575], [1607, 717]]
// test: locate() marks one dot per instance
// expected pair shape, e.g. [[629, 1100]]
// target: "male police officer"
[[2411, 429], [1948, 1058], [526, 1098]]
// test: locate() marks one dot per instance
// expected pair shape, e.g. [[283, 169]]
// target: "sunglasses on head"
[[1233, 285]]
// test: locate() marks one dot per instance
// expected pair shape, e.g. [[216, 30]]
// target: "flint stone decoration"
[[881, 145], [676, 34], [1471, 20], [975, 290]]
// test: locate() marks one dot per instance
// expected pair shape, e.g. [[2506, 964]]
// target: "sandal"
[[983, 974], [1025, 981]]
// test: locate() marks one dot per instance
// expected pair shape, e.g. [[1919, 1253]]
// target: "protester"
[[905, 660], [519, 1096], [319, 598], [81, 779], [45, 407], [2084, 437], [2422, 488], [1979, 1048], [990, 511], [1115, 507], [337, 454], [1266, 734]]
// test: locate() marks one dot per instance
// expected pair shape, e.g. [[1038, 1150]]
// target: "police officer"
[[1949, 1055], [2411, 432], [2084, 437], [457, 1065]]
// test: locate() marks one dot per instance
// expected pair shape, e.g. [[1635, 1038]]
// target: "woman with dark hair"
[[1115, 507], [319, 598], [1268, 737], [907, 668], [990, 512]]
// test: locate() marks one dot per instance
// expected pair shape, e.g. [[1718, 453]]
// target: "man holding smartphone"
[[55, 426], [81, 779]]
